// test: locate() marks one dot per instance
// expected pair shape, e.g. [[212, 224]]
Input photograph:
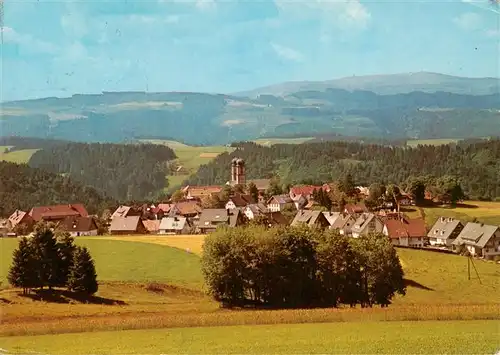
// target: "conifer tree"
[[46, 255], [65, 248], [22, 272], [82, 275]]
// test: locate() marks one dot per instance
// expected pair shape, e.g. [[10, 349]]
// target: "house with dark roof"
[[239, 201], [78, 226], [481, 240], [311, 219], [406, 232], [188, 209], [152, 225], [331, 217], [355, 208], [126, 211], [445, 231], [175, 225], [365, 224], [278, 203], [255, 209], [57, 212], [127, 225], [211, 218]]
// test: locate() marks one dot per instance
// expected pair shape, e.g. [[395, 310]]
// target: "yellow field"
[[191, 243], [19, 156], [271, 141]]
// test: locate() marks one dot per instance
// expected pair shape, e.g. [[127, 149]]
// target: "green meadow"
[[18, 156]]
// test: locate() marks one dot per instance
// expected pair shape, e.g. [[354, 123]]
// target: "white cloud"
[[27, 41], [287, 53], [493, 33], [469, 21], [347, 14], [205, 5]]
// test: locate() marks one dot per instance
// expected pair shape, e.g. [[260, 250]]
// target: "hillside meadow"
[[454, 337], [19, 156]]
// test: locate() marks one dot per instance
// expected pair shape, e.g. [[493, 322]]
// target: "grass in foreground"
[[457, 337], [190, 243]]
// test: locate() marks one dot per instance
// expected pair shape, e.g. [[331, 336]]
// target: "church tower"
[[238, 174]]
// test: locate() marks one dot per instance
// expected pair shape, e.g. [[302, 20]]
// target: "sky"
[[59, 48]]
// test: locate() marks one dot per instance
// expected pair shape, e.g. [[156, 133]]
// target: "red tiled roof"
[[165, 207], [306, 190], [351, 208], [58, 211], [406, 228], [16, 217], [188, 207]]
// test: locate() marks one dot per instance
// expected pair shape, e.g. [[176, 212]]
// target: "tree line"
[[474, 164], [51, 259], [290, 267], [22, 187]]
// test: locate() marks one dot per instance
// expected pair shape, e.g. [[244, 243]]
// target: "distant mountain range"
[[420, 105]]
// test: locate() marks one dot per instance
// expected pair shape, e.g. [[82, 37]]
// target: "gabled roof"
[[78, 224], [58, 211], [306, 190], [241, 200], [121, 211], [210, 217], [308, 217], [362, 221], [403, 228], [187, 207], [261, 184], [276, 218], [152, 225], [125, 224], [352, 208], [16, 217], [476, 234], [331, 217], [173, 223], [202, 191], [165, 207], [342, 220], [444, 227], [257, 208], [280, 199]]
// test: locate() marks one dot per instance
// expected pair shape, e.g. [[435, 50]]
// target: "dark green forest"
[[476, 164], [22, 187], [124, 172]]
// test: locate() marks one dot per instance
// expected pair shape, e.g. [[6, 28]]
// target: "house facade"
[[278, 203], [406, 232], [21, 218], [253, 210], [366, 224], [211, 218], [480, 240], [78, 226], [343, 223], [175, 225], [57, 212], [445, 231], [311, 219], [127, 225], [239, 201]]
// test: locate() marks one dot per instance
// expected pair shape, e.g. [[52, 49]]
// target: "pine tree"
[[82, 275], [46, 255], [22, 272], [65, 248], [253, 191]]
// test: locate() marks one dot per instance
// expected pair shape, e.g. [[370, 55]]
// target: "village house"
[[201, 192], [175, 225], [343, 223], [445, 231], [5, 227], [310, 218], [406, 232], [188, 209], [152, 225], [365, 224], [299, 201], [262, 186], [21, 218], [355, 208], [163, 209], [331, 217], [127, 225], [78, 226], [125, 211], [481, 240], [278, 203], [211, 218], [307, 190], [239, 201], [253, 210], [57, 212]]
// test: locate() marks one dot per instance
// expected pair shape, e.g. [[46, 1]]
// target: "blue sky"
[[58, 48]]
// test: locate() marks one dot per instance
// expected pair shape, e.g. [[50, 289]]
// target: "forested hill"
[[476, 164], [122, 171], [22, 187]]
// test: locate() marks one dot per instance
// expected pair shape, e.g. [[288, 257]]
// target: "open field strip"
[[454, 337], [190, 243], [271, 141], [437, 141], [18, 156]]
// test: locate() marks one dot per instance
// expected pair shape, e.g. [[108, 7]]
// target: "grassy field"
[[476, 337], [190, 158], [485, 212], [18, 156], [190, 243], [437, 141], [271, 141]]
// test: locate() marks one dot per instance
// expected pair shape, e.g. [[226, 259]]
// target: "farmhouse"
[[200, 192], [127, 225], [311, 218], [152, 225], [307, 190], [188, 209], [406, 232], [445, 231], [479, 239], [211, 218], [279, 202], [175, 225], [57, 212], [365, 224], [355, 208], [78, 226]]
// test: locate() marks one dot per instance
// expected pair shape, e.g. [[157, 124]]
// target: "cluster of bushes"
[[49, 259], [294, 267]]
